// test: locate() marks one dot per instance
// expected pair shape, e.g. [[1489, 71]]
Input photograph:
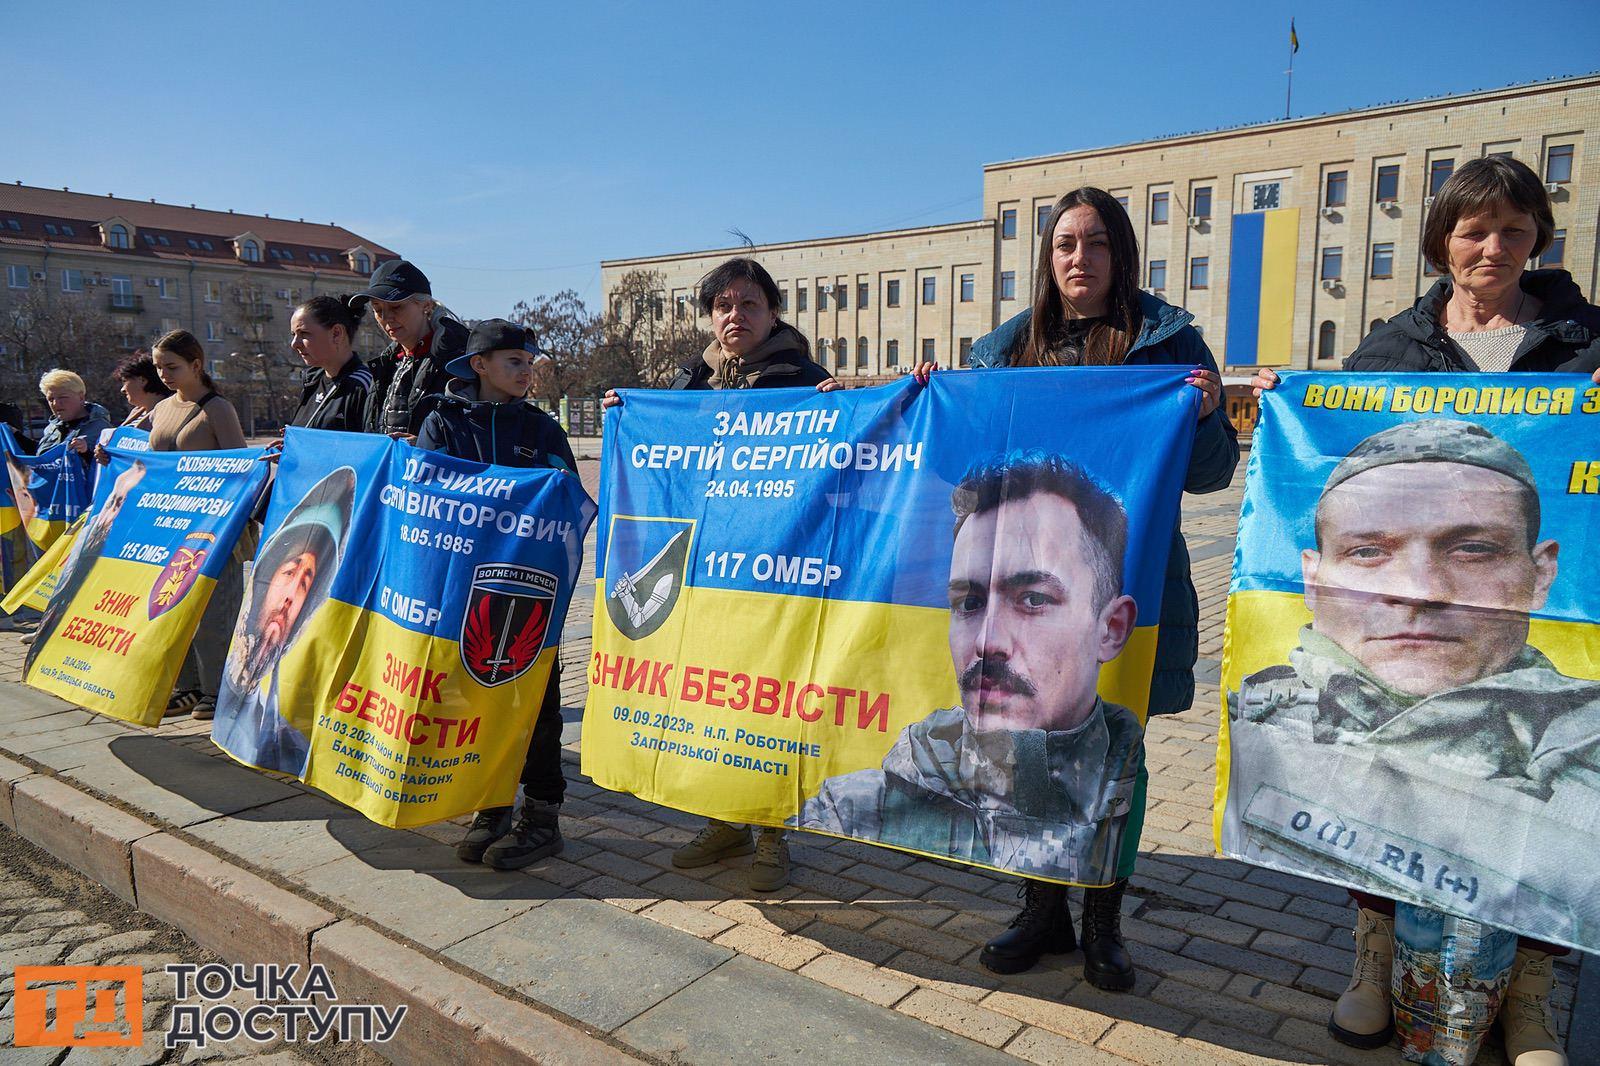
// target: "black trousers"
[[541, 770]]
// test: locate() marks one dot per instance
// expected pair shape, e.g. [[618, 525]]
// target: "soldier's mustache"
[[996, 673]]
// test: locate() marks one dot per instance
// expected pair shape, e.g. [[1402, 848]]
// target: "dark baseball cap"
[[493, 335], [394, 281]]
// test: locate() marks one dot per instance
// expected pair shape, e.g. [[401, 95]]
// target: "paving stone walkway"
[[868, 955]]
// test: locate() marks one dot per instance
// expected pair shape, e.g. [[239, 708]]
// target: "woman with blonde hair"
[[74, 420]]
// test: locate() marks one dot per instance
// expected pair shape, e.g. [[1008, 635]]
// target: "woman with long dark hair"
[[1088, 310]]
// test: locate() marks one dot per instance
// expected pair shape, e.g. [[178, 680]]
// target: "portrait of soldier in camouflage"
[[1033, 772], [1425, 708]]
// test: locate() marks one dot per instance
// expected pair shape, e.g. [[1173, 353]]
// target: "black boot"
[[487, 827], [1105, 960], [538, 833], [1043, 927]]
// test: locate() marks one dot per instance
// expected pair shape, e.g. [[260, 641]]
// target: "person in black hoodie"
[[1491, 314], [753, 349], [423, 337], [484, 415], [337, 382]]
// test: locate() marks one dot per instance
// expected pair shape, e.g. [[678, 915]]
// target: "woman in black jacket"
[[336, 381], [1491, 314]]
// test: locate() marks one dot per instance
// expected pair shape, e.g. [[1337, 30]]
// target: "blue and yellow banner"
[[400, 623], [1261, 268], [138, 577], [48, 490], [923, 617], [1412, 658], [34, 588]]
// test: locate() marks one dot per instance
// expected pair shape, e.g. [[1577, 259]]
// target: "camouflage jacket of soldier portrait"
[[1530, 726], [1048, 803]]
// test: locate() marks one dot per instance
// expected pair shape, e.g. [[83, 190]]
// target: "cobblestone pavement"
[[1237, 964], [52, 915]]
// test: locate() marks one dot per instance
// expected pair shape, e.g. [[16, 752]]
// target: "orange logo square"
[[79, 1006]]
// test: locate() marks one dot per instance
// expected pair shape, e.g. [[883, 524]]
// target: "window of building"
[[273, 253], [288, 253], [17, 277], [1383, 260], [1439, 172], [1336, 188], [822, 297], [1388, 184], [363, 264], [843, 293], [680, 307], [1042, 218], [1008, 224], [195, 245], [930, 290], [1431, 269], [71, 280], [1200, 272], [966, 351], [1558, 163], [213, 330], [861, 295], [929, 352], [250, 252], [122, 291], [1160, 206], [1158, 274], [1332, 264], [1202, 202], [783, 300], [1008, 285], [1266, 196], [51, 230], [891, 353], [861, 353], [168, 244], [891, 295], [13, 225], [969, 288], [67, 230], [149, 239], [800, 297], [206, 245], [1123, 200], [213, 292], [117, 237], [1326, 340], [842, 352], [1557, 251]]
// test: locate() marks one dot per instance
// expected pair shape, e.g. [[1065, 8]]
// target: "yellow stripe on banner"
[[33, 589], [728, 673], [1280, 246], [1264, 627]]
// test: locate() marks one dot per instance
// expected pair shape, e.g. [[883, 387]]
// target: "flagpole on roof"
[[1294, 46]]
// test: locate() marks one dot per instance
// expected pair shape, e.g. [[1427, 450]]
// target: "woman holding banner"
[[337, 382], [1487, 222], [753, 349], [1088, 311], [76, 421], [196, 419]]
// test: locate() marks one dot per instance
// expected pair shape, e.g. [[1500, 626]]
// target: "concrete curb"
[[244, 918]]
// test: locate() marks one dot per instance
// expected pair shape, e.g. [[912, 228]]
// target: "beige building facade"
[[1362, 182]]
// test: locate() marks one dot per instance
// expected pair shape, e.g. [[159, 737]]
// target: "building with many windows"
[[134, 269], [1287, 240]]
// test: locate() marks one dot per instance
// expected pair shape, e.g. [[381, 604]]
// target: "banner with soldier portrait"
[[139, 573], [921, 616], [1412, 661], [48, 491], [399, 624]]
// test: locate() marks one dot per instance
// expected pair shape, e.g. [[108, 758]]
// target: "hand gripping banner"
[[1412, 660], [400, 623], [139, 575], [886, 614]]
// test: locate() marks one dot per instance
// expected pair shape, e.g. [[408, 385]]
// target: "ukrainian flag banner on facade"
[[139, 575], [918, 616], [48, 490], [34, 588], [1412, 659], [400, 623]]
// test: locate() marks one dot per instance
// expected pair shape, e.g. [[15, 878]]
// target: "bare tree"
[[645, 341], [42, 332], [256, 365], [569, 334]]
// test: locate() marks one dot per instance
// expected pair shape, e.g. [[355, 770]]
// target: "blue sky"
[[507, 149]]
